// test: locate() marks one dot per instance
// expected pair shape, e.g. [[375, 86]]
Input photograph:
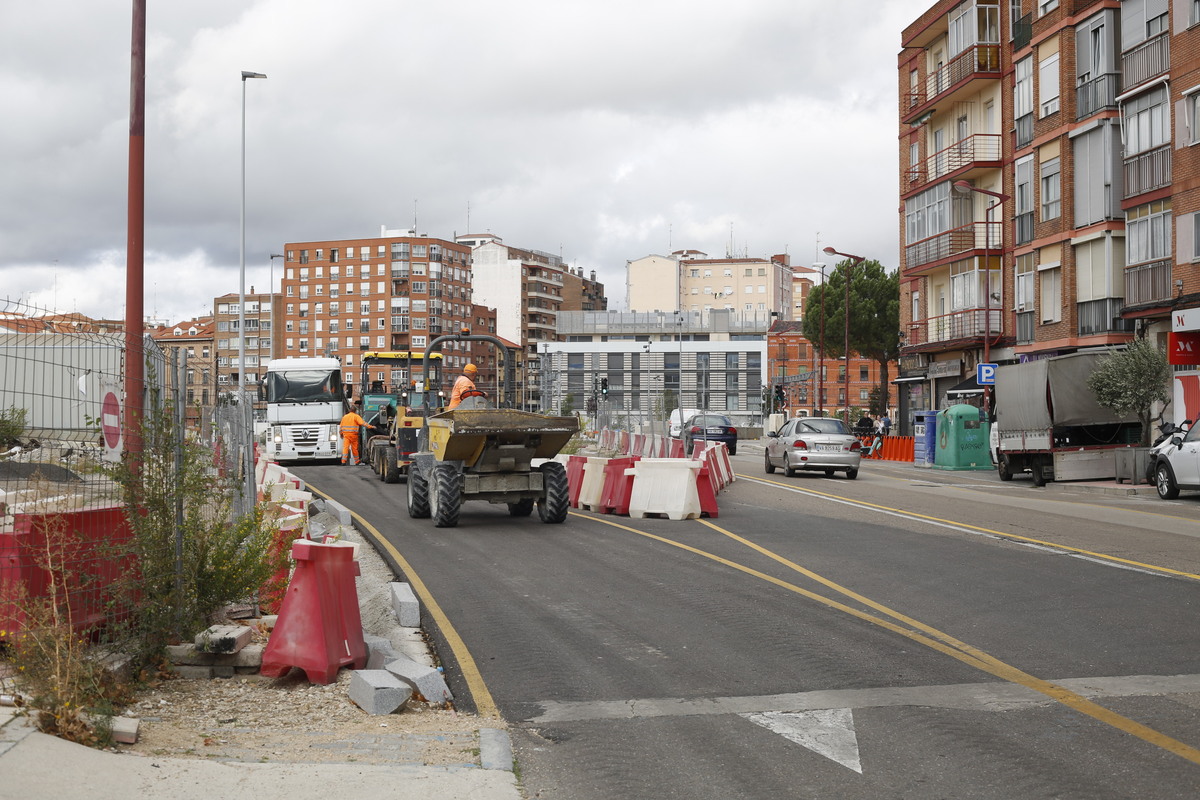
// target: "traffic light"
[[604, 387], [779, 395]]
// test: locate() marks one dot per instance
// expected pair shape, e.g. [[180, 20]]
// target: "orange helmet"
[[470, 369]]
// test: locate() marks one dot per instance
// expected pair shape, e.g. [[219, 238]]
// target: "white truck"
[[1049, 424], [305, 404]]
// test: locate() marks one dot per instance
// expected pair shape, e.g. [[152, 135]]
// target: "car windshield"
[[710, 421], [821, 425]]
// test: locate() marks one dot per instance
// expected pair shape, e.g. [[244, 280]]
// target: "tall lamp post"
[[998, 198], [855, 261], [271, 294], [247, 414]]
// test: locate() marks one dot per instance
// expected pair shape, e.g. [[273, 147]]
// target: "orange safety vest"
[[351, 423], [463, 384]]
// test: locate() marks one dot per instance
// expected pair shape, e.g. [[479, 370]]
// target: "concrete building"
[[688, 280], [195, 339], [260, 327], [1048, 192], [637, 367]]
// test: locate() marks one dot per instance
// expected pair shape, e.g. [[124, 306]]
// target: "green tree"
[[874, 316], [1132, 380]]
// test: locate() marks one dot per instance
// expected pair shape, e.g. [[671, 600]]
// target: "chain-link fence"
[[64, 531]]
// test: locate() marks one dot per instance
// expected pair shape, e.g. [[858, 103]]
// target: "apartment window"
[[1051, 190], [1148, 232], [1024, 199], [1024, 271], [1046, 6], [1195, 234], [1191, 104], [1147, 121], [349, 254], [1023, 88], [964, 286], [928, 213], [333, 257], [1194, 18], [1048, 85], [1051, 299], [1098, 275]]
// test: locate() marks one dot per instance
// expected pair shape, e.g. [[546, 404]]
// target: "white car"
[[813, 443], [1177, 464]]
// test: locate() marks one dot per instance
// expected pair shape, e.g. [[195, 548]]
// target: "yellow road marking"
[[466, 662], [1013, 536], [928, 636]]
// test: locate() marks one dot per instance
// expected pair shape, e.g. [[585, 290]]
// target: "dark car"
[[709, 428]]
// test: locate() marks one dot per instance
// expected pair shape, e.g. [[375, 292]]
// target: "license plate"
[[716, 430], [830, 448]]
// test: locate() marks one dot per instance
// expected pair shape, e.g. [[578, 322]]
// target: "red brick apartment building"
[[1049, 184]]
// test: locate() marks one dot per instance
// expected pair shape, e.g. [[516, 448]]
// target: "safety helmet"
[[470, 369]]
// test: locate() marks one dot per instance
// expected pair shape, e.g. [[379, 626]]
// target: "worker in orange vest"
[[464, 383], [350, 425]]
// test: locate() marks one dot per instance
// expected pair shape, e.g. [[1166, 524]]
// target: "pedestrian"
[[350, 426], [886, 424], [464, 383]]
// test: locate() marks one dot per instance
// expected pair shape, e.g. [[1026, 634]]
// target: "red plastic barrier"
[[706, 488], [618, 487], [575, 465], [677, 449], [319, 628]]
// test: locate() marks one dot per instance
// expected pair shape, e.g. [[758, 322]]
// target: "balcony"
[[1102, 316], [1147, 171], [969, 324], [979, 61], [1148, 283], [954, 242], [977, 150], [1095, 95], [1148, 60], [1026, 325]]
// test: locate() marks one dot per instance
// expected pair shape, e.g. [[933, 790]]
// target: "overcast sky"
[[604, 130]]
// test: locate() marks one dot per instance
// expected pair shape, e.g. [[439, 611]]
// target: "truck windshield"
[[304, 386]]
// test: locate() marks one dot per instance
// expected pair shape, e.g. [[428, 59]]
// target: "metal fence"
[[62, 432]]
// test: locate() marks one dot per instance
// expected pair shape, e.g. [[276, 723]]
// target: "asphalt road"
[[910, 634]]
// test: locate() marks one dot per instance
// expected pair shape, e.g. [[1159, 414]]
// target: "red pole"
[[134, 240]]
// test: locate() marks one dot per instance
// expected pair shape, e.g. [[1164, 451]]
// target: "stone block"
[[203, 673], [340, 511], [125, 730], [187, 654], [426, 681], [378, 691], [404, 603], [223, 639], [411, 643], [379, 651]]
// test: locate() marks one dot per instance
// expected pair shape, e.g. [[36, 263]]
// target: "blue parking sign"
[[985, 374]]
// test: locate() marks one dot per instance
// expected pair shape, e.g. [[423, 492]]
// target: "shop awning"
[[967, 387], [913, 379]]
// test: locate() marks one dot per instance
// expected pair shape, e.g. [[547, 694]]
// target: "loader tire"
[[553, 505], [391, 470], [445, 495], [521, 508], [418, 494]]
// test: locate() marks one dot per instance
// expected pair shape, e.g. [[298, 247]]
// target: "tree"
[[1132, 380], [874, 316]]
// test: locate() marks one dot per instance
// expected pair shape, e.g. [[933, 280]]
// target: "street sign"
[[985, 374], [110, 425]]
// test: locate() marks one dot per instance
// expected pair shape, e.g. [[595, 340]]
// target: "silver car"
[[820, 443]]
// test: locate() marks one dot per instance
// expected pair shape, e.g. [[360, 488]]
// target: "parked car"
[[813, 443], [1177, 464], [709, 428]]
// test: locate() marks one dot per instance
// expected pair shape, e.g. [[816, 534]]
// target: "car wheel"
[[1164, 482], [733, 449], [829, 473], [852, 474], [789, 470], [770, 468]]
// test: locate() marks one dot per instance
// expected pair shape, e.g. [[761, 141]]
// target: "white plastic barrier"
[[664, 486], [591, 490]]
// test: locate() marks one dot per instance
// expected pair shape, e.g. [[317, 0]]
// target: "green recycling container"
[[963, 437]]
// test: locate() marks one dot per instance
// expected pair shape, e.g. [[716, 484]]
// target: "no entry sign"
[[110, 421]]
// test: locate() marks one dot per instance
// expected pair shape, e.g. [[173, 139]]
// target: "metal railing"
[[1102, 316], [947, 244], [1148, 170], [976, 148], [980, 59], [1096, 94], [966, 324], [1146, 283], [1147, 60]]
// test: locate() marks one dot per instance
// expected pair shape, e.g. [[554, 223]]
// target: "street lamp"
[[855, 261], [247, 414], [999, 198], [820, 398], [271, 294]]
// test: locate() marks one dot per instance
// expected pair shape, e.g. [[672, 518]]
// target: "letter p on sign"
[[985, 374]]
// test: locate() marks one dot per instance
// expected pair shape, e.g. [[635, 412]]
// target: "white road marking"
[[829, 732]]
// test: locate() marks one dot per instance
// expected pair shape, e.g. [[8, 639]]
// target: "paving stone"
[[404, 603], [223, 638], [125, 730], [248, 656], [379, 651], [184, 671], [378, 691], [427, 681]]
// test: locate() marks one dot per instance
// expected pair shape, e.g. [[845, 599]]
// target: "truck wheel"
[[391, 470], [445, 495], [1002, 469], [521, 508], [418, 494], [1039, 477], [1164, 482], [553, 505]]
